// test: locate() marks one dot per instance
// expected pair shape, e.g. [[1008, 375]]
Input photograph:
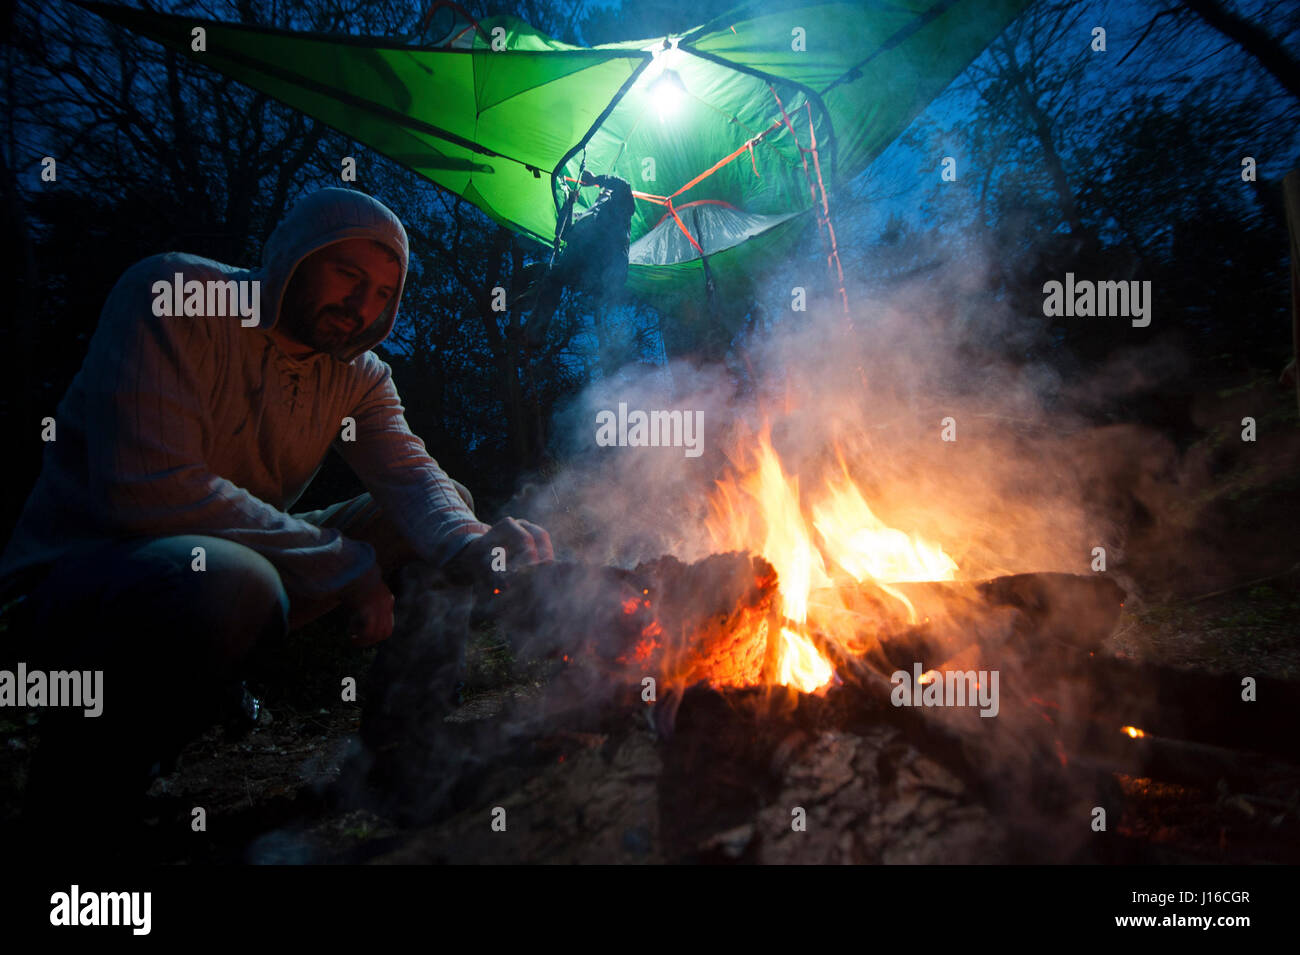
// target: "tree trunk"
[[1042, 126], [1291, 194]]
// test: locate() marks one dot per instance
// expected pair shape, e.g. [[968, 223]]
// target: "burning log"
[[558, 608], [1068, 609], [681, 623], [740, 761], [717, 619], [1060, 691], [937, 621]]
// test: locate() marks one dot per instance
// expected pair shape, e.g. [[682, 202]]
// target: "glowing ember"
[[1133, 732]]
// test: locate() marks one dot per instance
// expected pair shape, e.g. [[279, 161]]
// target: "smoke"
[[948, 431], [931, 399]]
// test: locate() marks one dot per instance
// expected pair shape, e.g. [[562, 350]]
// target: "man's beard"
[[332, 329]]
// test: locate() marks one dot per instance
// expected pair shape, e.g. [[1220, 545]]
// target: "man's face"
[[338, 292]]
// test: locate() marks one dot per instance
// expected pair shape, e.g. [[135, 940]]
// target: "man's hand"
[[523, 541], [371, 603]]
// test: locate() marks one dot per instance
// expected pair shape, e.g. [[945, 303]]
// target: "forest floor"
[[282, 792]]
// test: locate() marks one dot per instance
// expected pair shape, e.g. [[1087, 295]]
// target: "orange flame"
[[867, 549], [800, 664], [762, 511]]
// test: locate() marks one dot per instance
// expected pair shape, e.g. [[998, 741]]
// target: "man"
[[157, 544], [594, 258]]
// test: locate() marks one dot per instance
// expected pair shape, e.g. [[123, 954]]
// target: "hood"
[[321, 219]]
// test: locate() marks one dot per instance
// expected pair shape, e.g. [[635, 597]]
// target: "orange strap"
[[747, 147], [812, 190], [697, 202], [681, 225], [662, 201], [817, 163], [833, 256], [667, 201]]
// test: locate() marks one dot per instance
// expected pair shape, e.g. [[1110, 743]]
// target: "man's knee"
[[227, 595]]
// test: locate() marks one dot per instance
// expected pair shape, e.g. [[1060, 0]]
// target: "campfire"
[[828, 576], [817, 641], [761, 510]]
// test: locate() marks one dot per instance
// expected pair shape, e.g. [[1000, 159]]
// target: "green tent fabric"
[[506, 116]]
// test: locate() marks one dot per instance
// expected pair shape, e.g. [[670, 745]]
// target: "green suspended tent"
[[731, 133]]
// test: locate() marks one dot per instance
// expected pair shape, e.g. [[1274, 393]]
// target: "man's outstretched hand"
[[371, 604], [524, 543]]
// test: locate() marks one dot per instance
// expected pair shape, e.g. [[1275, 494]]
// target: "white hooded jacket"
[[199, 425]]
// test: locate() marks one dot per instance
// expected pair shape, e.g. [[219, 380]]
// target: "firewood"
[[1069, 609], [1026, 612], [570, 608], [679, 622], [716, 619]]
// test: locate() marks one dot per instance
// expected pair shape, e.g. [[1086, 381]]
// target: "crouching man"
[[157, 545]]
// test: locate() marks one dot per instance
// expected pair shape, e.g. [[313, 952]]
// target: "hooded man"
[[157, 544]]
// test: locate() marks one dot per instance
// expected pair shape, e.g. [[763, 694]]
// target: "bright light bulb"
[[664, 84], [667, 92]]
